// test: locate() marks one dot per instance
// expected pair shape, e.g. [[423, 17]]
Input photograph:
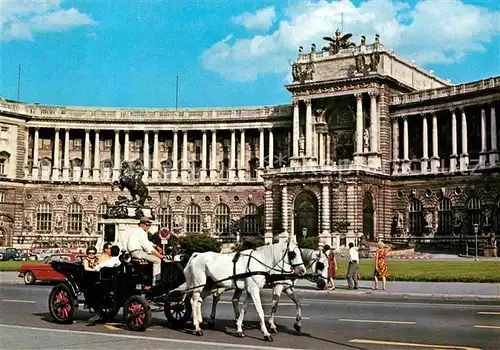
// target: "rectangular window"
[[77, 144], [2, 166], [108, 145], [46, 144], [2, 197], [4, 133]]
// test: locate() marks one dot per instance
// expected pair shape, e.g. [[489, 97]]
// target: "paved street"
[[331, 321]]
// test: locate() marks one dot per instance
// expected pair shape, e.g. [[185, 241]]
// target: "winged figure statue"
[[338, 42]]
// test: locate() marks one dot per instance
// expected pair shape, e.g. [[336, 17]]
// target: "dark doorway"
[[368, 229], [306, 214]]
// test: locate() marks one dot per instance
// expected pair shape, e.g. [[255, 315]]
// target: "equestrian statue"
[[131, 178]]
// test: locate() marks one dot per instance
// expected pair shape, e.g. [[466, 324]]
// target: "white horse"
[[314, 259], [246, 270]]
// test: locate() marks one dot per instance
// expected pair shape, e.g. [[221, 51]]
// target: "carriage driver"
[[140, 247]]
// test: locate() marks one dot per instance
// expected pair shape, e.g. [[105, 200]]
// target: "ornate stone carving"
[[208, 221], [428, 220], [366, 139], [302, 71], [302, 145]]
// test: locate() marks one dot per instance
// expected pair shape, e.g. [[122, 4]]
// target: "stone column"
[[425, 145], [184, 166], [325, 210], [296, 129], [271, 149], [232, 156], [66, 155], [309, 133], [96, 176], [269, 206], [56, 166], [454, 147], [26, 152], [203, 170], [155, 173], [493, 125], [213, 157], [464, 157], [261, 168], [175, 156], [126, 146], [374, 122], [321, 149], [242, 163], [435, 162], [86, 156], [406, 156], [395, 145], [116, 153], [35, 173], [328, 150], [147, 162], [284, 210], [483, 154], [358, 159]]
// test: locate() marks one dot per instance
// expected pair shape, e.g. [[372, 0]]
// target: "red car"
[[44, 272]]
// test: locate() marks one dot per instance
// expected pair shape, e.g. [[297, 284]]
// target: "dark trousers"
[[352, 275]]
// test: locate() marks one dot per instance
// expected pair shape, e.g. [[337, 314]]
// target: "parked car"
[[28, 256], [31, 272], [9, 254]]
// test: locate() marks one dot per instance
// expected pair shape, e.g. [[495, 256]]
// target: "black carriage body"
[[109, 289]]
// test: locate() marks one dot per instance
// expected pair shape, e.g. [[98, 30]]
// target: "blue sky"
[[226, 53]]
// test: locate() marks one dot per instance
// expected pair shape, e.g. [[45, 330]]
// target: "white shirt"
[[353, 254], [114, 261], [138, 240]]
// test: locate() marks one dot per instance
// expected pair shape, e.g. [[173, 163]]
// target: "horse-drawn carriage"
[[115, 287]]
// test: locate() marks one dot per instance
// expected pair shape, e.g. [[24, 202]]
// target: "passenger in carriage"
[[90, 261], [112, 261], [106, 253], [140, 247]]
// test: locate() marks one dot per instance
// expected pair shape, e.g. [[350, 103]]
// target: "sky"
[[127, 53]]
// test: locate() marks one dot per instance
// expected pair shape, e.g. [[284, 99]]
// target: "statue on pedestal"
[[302, 145], [366, 139], [131, 178]]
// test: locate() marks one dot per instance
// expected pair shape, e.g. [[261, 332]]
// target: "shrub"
[[198, 243], [250, 243], [308, 242]]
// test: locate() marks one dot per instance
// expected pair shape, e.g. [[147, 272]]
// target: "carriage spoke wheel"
[[137, 313], [177, 309], [62, 304]]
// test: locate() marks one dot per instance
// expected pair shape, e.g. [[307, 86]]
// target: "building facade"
[[371, 144]]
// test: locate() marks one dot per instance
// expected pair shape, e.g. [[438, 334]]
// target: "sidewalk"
[[466, 291]]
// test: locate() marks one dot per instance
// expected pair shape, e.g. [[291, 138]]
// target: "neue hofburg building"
[[371, 144]]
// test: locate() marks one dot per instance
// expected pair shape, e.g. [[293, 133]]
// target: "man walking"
[[352, 270], [140, 247]]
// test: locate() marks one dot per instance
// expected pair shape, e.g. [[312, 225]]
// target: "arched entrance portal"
[[368, 226], [2, 238], [305, 214]]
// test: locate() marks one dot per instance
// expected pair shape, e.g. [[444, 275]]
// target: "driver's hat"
[[91, 250], [144, 220]]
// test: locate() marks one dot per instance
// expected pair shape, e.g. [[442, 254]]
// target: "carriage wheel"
[[137, 313], [62, 304], [177, 309]]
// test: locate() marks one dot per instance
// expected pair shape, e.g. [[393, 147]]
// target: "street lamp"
[[476, 230]]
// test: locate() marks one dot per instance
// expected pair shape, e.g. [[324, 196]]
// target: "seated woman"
[[90, 260], [113, 261]]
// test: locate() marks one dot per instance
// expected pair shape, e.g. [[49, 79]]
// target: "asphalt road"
[[330, 322]]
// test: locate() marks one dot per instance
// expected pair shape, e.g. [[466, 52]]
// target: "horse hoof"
[[297, 327], [273, 330], [268, 338], [198, 333], [240, 334]]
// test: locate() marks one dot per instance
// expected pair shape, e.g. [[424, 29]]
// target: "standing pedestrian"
[[380, 265], [332, 266], [352, 270]]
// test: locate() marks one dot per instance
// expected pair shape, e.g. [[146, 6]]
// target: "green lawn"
[[431, 271], [422, 271], [14, 265]]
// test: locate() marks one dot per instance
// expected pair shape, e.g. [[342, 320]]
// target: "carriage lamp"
[[476, 231]]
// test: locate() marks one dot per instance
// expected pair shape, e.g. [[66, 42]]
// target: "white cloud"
[[430, 32], [22, 19], [262, 19]]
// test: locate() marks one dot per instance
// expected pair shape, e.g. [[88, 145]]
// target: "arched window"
[[222, 220], [99, 214], [193, 219], [251, 220], [474, 214], [44, 217], [445, 217], [416, 217], [75, 218], [368, 224], [165, 217]]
